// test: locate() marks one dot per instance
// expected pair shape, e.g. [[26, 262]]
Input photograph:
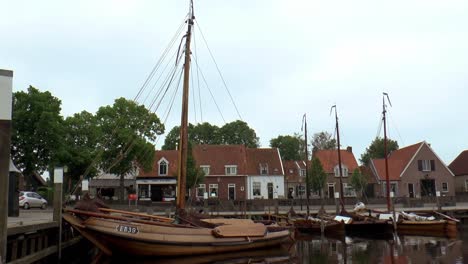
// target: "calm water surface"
[[316, 249]]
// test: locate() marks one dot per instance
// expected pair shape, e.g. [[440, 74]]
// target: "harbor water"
[[318, 249]]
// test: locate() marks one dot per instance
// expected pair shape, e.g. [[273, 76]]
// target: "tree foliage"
[[195, 174], [37, 130], [82, 135], [358, 182], [376, 150], [289, 146], [236, 132], [318, 176], [127, 132], [322, 140]]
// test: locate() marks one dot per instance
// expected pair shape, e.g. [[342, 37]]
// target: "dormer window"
[[163, 167], [344, 170], [206, 169], [302, 173], [230, 169], [263, 169]]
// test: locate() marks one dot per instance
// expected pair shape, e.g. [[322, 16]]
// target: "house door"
[[231, 191], [270, 190], [411, 190], [156, 193], [428, 187], [331, 191]]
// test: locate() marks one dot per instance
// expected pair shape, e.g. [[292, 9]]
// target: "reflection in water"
[[316, 249], [402, 249]]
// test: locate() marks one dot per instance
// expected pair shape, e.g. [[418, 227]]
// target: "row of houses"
[[235, 172]]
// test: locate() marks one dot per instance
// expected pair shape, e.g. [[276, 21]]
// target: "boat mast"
[[387, 178], [304, 120], [339, 158], [183, 146]]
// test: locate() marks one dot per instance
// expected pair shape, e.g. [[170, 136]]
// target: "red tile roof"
[[329, 159], [291, 169], [172, 156], [459, 165], [263, 156], [397, 162], [217, 156]]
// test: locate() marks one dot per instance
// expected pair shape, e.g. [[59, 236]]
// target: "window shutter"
[[419, 165], [432, 165]]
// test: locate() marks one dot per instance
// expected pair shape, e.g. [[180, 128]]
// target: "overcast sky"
[[280, 59]]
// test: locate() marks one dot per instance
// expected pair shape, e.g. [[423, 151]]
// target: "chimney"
[[349, 149]]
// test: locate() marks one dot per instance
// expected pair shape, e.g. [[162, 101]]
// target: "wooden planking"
[[227, 221], [155, 217], [248, 230]]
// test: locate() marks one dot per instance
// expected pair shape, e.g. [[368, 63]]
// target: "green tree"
[[37, 132], [127, 132], [203, 133], [376, 150], [82, 136], [322, 140], [289, 146], [195, 174], [238, 132], [317, 178], [358, 182]]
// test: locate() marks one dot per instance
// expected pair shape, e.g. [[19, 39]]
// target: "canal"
[[316, 249]]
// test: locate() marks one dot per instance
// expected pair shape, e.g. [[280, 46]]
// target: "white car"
[[31, 199]]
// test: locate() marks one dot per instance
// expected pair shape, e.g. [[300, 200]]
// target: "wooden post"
[[6, 82], [439, 206], [58, 185]]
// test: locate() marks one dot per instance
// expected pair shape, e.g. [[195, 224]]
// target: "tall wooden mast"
[[183, 145], [339, 158], [304, 119], [387, 177]]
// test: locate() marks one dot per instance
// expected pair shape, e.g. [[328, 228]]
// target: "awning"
[[157, 181]]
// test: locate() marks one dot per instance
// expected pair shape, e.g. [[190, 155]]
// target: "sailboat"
[[138, 234], [315, 225], [356, 224], [412, 224]]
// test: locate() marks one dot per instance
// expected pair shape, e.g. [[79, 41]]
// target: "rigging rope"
[[219, 72], [214, 100], [198, 79]]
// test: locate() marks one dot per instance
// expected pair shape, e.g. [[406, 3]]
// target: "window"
[[256, 189], [348, 190], [213, 190], [445, 186], [231, 169], [143, 190], [263, 169], [163, 168], [301, 190], [393, 188], [206, 169], [426, 165], [344, 170], [302, 173], [201, 190]]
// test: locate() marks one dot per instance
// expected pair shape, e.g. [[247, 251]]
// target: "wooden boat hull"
[[427, 228], [330, 228], [128, 238], [371, 229]]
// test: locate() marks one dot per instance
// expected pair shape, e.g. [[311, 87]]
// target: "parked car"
[[31, 199]]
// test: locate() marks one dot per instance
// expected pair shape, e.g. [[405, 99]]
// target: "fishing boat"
[[119, 232], [357, 224], [309, 224], [412, 224]]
